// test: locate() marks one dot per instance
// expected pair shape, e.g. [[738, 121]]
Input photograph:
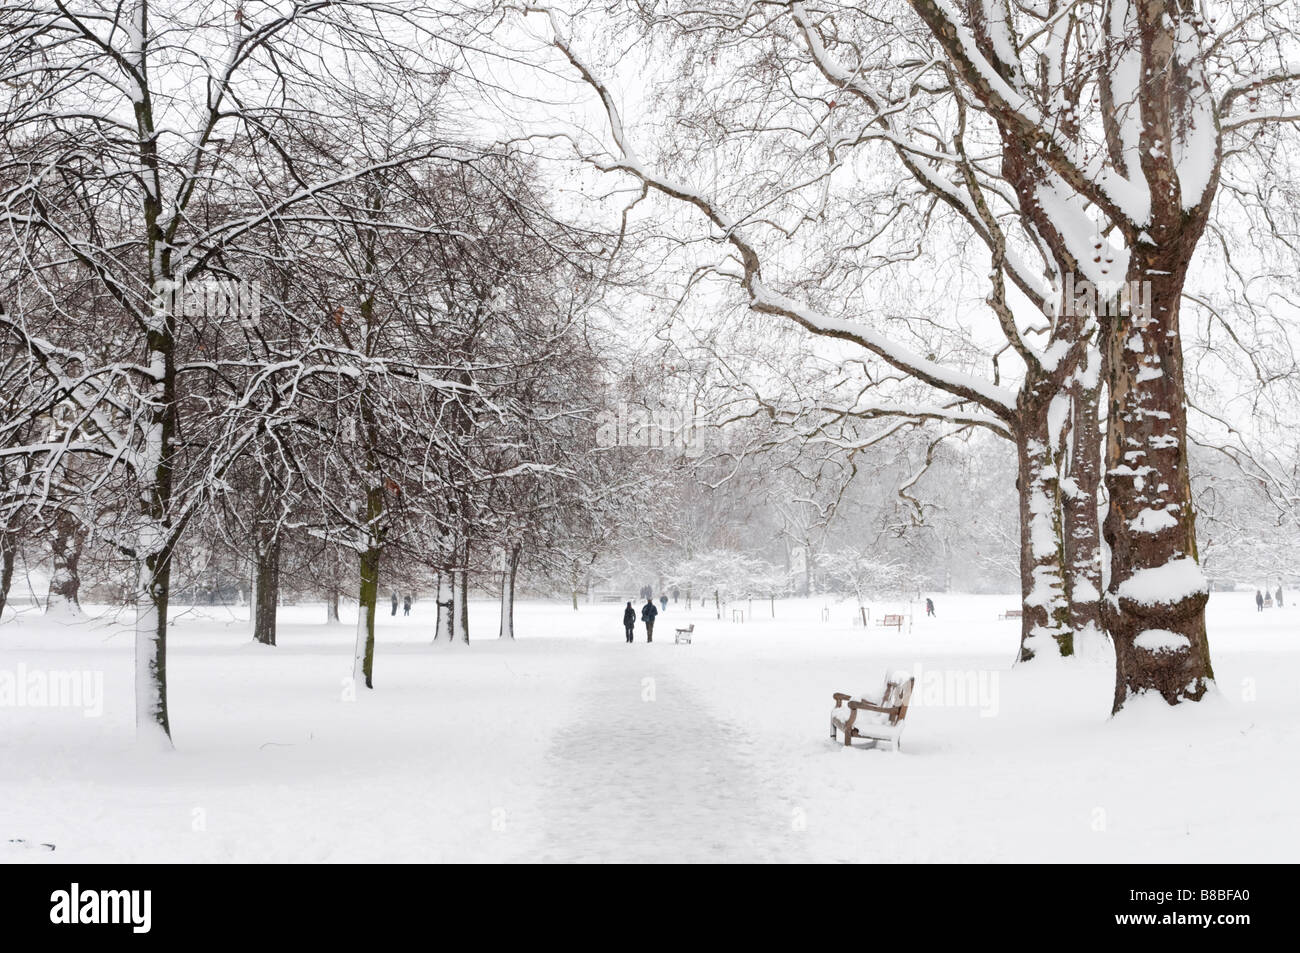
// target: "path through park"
[[644, 772]]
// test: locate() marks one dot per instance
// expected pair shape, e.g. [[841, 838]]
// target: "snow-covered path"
[[644, 772]]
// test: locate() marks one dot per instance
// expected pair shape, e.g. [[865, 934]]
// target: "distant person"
[[629, 621], [394, 603], [406, 606], [929, 607], [648, 613], [663, 601], [1279, 597], [1259, 601], [674, 595]]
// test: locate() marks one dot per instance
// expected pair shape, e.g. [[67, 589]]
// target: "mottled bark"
[[1080, 525], [1042, 578], [1154, 610]]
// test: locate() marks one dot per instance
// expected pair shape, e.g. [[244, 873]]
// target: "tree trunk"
[[1082, 530], [151, 648], [8, 556], [459, 613], [1042, 582], [460, 584], [1154, 610], [332, 595], [508, 592], [363, 663], [267, 589], [65, 582], [442, 628], [155, 542]]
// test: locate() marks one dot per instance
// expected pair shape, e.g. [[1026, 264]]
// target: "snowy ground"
[[571, 745]]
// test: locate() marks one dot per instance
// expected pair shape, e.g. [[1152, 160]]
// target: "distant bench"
[[1013, 614], [895, 620], [683, 636]]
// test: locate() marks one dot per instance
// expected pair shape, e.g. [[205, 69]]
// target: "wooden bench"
[[874, 719], [1013, 614], [895, 620], [683, 636]]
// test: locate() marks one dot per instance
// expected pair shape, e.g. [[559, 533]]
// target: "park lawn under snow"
[[569, 744]]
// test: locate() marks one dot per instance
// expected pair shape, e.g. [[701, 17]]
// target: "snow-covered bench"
[[683, 636], [1013, 614], [874, 719], [895, 620]]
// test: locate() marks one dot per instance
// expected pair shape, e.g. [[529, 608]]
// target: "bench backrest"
[[893, 620], [904, 698]]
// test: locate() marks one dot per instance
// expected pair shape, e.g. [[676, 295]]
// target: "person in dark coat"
[[663, 601], [1259, 601], [394, 603], [629, 621], [406, 606], [674, 595], [648, 613], [929, 607]]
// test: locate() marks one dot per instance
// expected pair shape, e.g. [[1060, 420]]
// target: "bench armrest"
[[842, 697], [868, 706]]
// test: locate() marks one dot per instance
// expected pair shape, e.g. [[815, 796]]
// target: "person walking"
[[394, 602], [648, 613], [406, 606], [929, 606], [663, 602], [1259, 601], [675, 593], [629, 622]]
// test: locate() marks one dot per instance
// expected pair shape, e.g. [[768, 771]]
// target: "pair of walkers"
[[648, 613]]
